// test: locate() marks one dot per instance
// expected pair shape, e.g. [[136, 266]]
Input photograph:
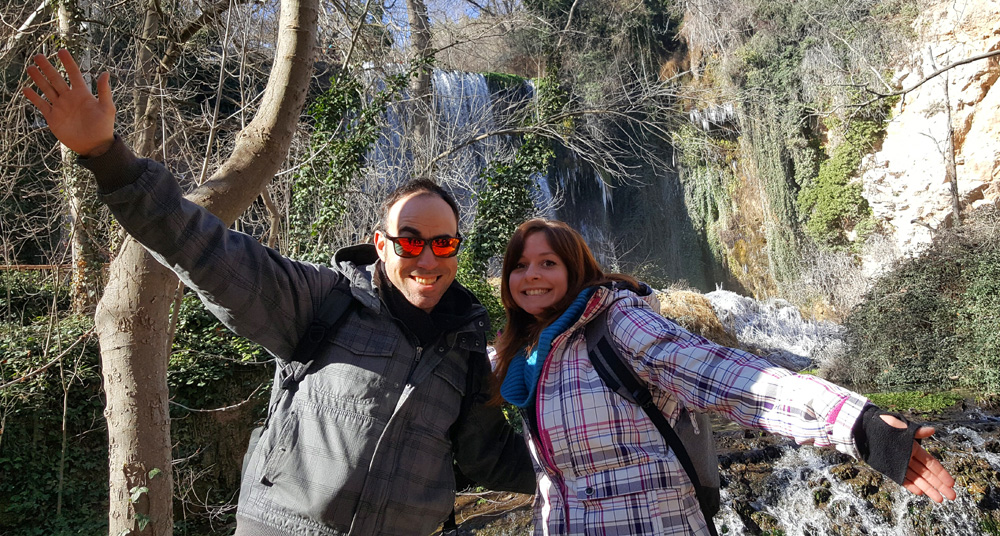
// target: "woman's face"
[[539, 279]]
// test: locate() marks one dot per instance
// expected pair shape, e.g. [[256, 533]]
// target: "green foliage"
[[639, 33], [978, 326], [31, 442], [832, 205], [487, 294], [497, 82], [933, 321], [209, 368], [205, 356], [27, 296], [505, 200], [904, 329], [346, 123], [915, 401], [796, 58]]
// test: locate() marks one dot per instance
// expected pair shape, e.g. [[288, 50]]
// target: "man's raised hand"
[[82, 122]]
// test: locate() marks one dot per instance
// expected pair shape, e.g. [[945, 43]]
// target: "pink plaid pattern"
[[603, 467]]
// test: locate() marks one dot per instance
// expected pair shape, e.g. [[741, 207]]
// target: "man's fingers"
[[924, 432], [43, 84], [55, 79], [40, 103], [72, 69], [104, 88]]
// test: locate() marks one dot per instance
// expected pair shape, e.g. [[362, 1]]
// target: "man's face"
[[425, 278]]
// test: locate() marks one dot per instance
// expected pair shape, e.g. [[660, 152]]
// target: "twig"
[[227, 408]]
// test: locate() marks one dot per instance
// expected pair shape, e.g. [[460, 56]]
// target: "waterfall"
[[812, 491], [776, 328], [463, 108], [641, 228], [808, 498]]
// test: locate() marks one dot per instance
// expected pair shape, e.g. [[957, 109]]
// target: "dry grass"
[[694, 313]]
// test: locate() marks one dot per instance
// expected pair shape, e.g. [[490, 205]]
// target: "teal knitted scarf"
[[521, 381]]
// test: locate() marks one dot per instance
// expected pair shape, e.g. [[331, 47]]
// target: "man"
[[361, 440]]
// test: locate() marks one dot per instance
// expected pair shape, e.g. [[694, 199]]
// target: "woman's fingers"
[[926, 474]]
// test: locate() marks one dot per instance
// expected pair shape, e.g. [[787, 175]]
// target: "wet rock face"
[[771, 486]]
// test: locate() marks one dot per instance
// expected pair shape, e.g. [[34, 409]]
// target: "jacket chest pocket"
[[358, 370], [440, 394]]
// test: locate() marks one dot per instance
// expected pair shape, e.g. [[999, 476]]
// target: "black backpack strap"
[[621, 379]]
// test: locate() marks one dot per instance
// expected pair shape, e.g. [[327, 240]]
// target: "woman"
[[601, 465]]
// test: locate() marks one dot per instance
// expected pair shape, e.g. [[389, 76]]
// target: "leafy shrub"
[[978, 327], [31, 456], [487, 294], [210, 367], [832, 205], [207, 355], [933, 321], [27, 296], [915, 401], [346, 123]]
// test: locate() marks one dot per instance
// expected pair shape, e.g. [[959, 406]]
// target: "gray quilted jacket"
[[364, 443]]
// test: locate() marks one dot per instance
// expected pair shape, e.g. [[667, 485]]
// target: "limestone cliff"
[[905, 181]]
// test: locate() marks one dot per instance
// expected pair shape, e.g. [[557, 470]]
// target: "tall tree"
[[421, 92], [83, 211], [132, 316]]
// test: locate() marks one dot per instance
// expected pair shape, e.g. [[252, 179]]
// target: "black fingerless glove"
[[885, 448]]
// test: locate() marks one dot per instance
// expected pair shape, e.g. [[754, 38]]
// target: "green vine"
[[346, 123]]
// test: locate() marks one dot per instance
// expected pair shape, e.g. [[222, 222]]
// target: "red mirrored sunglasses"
[[441, 246]]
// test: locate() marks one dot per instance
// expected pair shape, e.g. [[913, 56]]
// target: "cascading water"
[[808, 491], [463, 108], [641, 227], [776, 328], [811, 493]]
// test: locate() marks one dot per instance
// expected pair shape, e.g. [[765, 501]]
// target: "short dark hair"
[[416, 186]]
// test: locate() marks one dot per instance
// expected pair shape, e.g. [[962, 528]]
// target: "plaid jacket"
[[364, 444], [602, 466]]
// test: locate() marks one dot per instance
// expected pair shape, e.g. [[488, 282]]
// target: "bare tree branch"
[[218, 410], [936, 73], [22, 31]]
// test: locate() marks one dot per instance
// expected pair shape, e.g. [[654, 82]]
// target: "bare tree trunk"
[[132, 317], [421, 93], [83, 209], [951, 170], [147, 107]]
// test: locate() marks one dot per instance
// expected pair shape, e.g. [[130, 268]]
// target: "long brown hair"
[[582, 271]]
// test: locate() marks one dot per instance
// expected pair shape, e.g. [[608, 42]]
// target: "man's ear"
[[380, 245]]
